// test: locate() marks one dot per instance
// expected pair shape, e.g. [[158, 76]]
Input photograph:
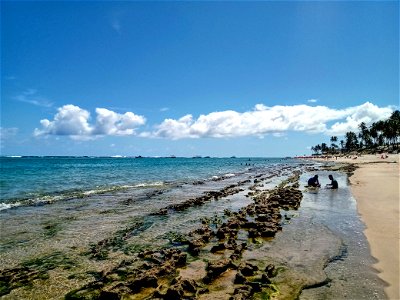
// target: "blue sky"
[[193, 78]]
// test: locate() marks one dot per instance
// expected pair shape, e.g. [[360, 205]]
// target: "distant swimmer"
[[333, 185], [313, 181]]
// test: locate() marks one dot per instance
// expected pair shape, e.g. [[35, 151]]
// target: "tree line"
[[378, 134]]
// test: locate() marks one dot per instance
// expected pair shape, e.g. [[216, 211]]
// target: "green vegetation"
[[380, 134], [31, 270], [118, 240], [176, 237], [51, 228]]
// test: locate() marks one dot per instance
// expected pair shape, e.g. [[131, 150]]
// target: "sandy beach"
[[375, 185]]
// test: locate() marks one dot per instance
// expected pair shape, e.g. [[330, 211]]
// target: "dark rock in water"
[[180, 259], [242, 293], [161, 212], [247, 269], [253, 233], [214, 269], [174, 293], [195, 245], [270, 271], [189, 285], [239, 249], [181, 289], [239, 279], [256, 286], [231, 245], [265, 279], [203, 291], [221, 233], [105, 295], [268, 232], [141, 282], [219, 247], [199, 182]]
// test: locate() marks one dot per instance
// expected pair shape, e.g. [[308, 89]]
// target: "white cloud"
[[312, 100], [31, 96], [112, 123], [73, 121], [270, 120], [366, 112], [164, 109]]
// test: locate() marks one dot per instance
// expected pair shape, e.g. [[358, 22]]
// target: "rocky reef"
[[216, 247], [156, 274]]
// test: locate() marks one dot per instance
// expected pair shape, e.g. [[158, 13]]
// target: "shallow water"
[[323, 250]]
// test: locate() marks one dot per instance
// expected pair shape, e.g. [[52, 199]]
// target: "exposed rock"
[[141, 282], [270, 270], [239, 279], [242, 293], [247, 269], [214, 269], [219, 247]]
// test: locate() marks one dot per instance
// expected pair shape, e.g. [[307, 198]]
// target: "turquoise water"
[[33, 180]]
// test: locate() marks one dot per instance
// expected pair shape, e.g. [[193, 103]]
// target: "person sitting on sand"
[[313, 181], [333, 185]]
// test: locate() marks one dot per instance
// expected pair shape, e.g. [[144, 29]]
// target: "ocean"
[[39, 180]]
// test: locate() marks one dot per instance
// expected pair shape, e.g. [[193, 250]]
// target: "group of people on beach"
[[313, 182]]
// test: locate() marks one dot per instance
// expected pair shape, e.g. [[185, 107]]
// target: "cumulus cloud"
[[275, 120], [262, 120], [312, 100], [73, 121]]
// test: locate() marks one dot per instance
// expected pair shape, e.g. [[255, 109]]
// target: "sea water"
[[37, 180]]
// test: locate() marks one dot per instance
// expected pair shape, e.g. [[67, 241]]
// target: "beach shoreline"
[[244, 234], [375, 186]]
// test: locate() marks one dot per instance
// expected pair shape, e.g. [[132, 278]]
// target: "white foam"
[[150, 184], [4, 206], [229, 175]]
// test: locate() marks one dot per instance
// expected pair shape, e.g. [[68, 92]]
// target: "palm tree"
[[317, 148], [333, 145], [364, 135], [373, 131], [351, 141], [391, 130], [313, 150], [324, 148], [395, 124]]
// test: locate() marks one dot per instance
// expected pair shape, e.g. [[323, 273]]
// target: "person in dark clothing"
[[313, 181], [333, 185]]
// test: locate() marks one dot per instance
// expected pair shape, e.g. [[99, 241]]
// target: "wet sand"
[[375, 185]]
